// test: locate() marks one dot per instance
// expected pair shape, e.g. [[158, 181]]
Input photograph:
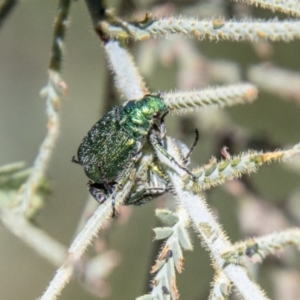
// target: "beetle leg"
[[145, 195], [139, 147], [146, 188], [105, 183], [98, 191], [129, 173], [154, 140], [74, 160], [107, 186], [101, 191], [162, 127]]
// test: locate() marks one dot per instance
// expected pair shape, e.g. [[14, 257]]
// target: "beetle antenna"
[[187, 157]]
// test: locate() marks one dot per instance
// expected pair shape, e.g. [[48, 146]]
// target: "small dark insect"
[[165, 290], [251, 250], [114, 144]]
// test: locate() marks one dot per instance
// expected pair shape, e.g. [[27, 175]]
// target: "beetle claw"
[[74, 160]]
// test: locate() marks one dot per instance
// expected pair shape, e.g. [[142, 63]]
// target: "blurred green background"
[[24, 53]]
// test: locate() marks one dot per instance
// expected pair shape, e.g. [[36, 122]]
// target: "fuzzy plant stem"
[[221, 287], [182, 102], [258, 248], [84, 238], [53, 93], [210, 231], [127, 78], [215, 240], [211, 29]]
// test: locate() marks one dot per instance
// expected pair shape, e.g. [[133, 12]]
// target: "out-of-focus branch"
[[274, 80], [53, 92], [290, 7], [34, 237], [6, 8]]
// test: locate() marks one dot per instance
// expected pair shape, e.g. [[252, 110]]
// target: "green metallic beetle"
[[114, 144]]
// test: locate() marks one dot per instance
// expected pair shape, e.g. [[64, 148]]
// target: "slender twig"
[[171, 255], [53, 93], [258, 248], [60, 26], [217, 172], [98, 12]]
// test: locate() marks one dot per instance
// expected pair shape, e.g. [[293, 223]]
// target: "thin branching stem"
[[171, 255], [217, 172], [97, 10], [53, 92], [60, 26], [258, 248]]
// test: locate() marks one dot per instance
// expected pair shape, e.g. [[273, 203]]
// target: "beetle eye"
[[156, 115]]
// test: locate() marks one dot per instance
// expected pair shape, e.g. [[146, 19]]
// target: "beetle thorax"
[[139, 115]]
